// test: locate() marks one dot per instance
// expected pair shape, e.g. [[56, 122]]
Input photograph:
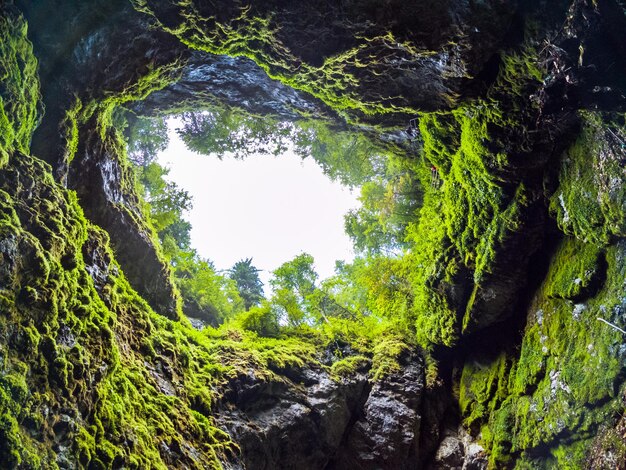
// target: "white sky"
[[266, 208]]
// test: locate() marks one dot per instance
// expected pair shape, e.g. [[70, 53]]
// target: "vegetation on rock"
[[492, 248]]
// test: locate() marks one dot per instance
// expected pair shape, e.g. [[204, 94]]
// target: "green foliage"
[[167, 204], [393, 194], [346, 156], [262, 319], [298, 301], [293, 284], [146, 138], [249, 285], [328, 317], [345, 287], [389, 204], [206, 294], [223, 131]]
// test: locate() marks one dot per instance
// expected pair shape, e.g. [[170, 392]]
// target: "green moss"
[[349, 366], [484, 386], [15, 448], [386, 357], [581, 269], [526, 400], [435, 266], [466, 220], [19, 90], [477, 206], [589, 202], [69, 127], [79, 342], [104, 108], [337, 81], [99, 123]]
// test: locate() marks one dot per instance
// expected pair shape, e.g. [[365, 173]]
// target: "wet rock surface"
[[209, 80], [318, 422], [399, 58], [386, 431], [417, 55], [105, 188], [459, 451]]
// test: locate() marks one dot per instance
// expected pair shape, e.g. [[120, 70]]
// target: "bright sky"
[[266, 208]]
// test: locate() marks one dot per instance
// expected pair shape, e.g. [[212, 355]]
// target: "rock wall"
[[353, 423], [521, 245]]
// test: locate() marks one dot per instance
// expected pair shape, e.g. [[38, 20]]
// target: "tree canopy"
[[206, 294], [249, 285], [374, 285], [146, 137]]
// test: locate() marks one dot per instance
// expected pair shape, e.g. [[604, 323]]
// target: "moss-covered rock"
[[540, 406], [19, 93], [589, 202], [347, 55], [481, 220], [96, 373]]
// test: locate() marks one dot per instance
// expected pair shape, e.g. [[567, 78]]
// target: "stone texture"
[[385, 435], [323, 423], [459, 451], [209, 80]]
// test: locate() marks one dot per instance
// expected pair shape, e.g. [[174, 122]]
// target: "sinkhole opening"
[[270, 208], [259, 215]]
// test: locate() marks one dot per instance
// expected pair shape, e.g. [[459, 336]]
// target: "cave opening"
[[266, 207], [489, 236], [225, 189]]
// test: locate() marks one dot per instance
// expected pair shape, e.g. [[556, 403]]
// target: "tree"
[[372, 285], [206, 294], [293, 284], [146, 137], [349, 157], [388, 205], [298, 299], [346, 156], [167, 203], [222, 130], [346, 290], [261, 319], [250, 287]]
